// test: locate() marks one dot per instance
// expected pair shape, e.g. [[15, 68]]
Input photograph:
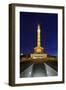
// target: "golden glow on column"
[[38, 36], [38, 48]]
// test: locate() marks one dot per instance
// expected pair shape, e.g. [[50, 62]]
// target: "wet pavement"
[[38, 70]]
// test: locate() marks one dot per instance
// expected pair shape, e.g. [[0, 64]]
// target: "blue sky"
[[28, 32]]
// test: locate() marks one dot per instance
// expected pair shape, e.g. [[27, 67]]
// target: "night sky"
[[28, 32]]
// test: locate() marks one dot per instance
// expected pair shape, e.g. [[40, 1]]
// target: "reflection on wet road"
[[38, 70]]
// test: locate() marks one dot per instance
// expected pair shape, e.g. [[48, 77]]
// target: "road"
[[38, 70]]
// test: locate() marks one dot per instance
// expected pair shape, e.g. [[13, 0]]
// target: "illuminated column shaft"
[[38, 36]]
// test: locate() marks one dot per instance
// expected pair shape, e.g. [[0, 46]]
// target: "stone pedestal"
[[38, 56]]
